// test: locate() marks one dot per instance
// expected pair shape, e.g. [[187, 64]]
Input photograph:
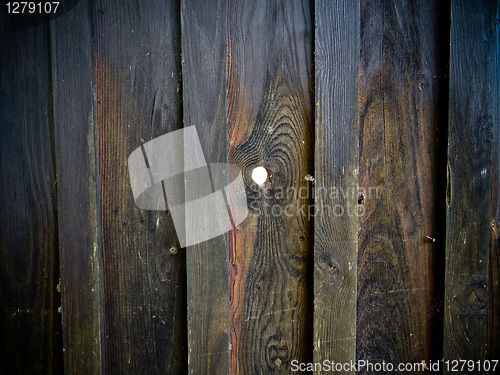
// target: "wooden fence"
[[384, 116]]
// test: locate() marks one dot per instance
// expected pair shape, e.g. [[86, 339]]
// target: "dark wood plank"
[[75, 151], [336, 170], [138, 99], [204, 103], [30, 325], [493, 346], [473, 141], [401, 96], [270, 124]]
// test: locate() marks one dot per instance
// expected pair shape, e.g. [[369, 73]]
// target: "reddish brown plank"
[[270, 124]]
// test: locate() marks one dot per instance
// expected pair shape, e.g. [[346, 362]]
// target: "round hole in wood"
[[259, 175]]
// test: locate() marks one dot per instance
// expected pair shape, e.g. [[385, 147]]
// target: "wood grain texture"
[[138, 99], [473, 142], [204, 103], [79, 232], [336, 173], [270, 124], [493, 347], [401, 95], [30, 325]]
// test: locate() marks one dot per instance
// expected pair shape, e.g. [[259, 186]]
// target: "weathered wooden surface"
[[78, 212], [473, 177], [493, 349], [270, 124], [138, 98], [336, 174], [79, 95], [30, 327], [401, 92], [204, 104]]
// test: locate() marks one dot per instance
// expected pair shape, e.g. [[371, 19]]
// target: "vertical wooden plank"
[[336, 173], [473, 141], [79, 232], [204, 103], [493, 347], [270, 124], [138, 99], [29, 320], [401, 96]]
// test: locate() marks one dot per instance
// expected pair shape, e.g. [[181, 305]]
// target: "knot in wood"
[[477, 298]]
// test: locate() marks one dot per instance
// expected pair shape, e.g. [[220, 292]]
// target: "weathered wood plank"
[[30, 325], [138, 99], [473, 141], [75, 152], [204, 103], [270, 124], [401, 96], [493, 348], [336, 170]]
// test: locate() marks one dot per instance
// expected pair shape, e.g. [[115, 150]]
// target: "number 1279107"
[[24, 7]]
